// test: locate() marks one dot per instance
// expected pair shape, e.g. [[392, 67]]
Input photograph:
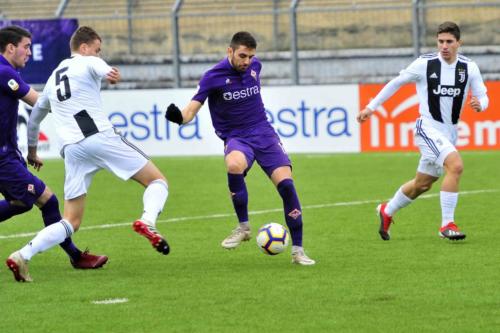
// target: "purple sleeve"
[[204, 89], [13, 85]]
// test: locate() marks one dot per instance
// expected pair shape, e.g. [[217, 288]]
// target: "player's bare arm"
[[113, 76], [33, 158], [364, 115], [175, 115], [31, 97], [475, 104]]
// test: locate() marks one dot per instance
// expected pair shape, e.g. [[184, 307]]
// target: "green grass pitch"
[[416, 282]]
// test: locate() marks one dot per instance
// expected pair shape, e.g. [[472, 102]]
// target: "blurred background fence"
[[167, 43]]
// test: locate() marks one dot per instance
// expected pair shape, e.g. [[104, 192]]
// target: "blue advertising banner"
[[50, 45]]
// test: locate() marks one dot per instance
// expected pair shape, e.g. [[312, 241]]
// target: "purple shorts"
[[264, 147], [17, 182]]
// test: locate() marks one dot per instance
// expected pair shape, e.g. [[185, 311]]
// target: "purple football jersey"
[[234, 98], [12, 88], [16, 182]]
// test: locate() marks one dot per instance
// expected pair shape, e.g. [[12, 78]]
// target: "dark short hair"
[[12, 35], [83, 35], [243, 38], [449, 27]]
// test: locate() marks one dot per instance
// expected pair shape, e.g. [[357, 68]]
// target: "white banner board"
[[309, 119]]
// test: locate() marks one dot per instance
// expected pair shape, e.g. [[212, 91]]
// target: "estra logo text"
[[391, 127]]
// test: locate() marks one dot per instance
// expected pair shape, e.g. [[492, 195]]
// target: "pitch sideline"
[[255, 212]]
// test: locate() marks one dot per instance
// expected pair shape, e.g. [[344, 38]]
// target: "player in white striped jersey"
[[89, 144], [443, 81]]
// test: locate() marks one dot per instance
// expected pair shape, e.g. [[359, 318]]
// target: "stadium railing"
[[305, 41]]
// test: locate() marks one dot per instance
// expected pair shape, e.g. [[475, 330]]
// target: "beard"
[[240, 68]]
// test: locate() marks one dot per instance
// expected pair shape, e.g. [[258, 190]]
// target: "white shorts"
[[435, 141], [104, 150]]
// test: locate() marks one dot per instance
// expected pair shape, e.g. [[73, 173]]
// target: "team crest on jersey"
[[253, 74], [228, 81], [461, 75], [31, 189], [13, 84], [294, 214]]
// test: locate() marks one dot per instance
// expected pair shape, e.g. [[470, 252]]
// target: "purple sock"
[[239, 195], [51, 214], [293, 212], [7, 210]]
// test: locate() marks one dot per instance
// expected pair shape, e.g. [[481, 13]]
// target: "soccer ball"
[[273, 238]]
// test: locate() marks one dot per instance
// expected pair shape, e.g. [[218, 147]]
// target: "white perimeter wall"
[[307, 118]]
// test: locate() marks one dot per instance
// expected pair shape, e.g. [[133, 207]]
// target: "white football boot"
[[237, 236], [19, 267], [300, 257]]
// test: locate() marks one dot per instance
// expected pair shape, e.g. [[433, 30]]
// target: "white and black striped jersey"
[[73, 94], [442, 88]]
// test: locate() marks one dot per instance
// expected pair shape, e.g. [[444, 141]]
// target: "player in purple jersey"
[[19, 187], [238, 116]]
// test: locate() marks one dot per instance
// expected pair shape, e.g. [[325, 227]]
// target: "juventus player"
[[20, 188], [443, 80], [89, 144]]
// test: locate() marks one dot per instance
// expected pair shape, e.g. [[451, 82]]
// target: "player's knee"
[[44, 197], [457, 169], [235, 167]]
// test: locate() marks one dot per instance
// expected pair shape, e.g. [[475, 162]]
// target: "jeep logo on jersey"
[[239, 94], [447, 91]]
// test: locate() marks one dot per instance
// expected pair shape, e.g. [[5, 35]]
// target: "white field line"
[[111, 301], [255, 212]]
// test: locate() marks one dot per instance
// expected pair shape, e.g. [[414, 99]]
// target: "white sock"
[[296, 249], [47, 237], [397, 202], [448, 204], [245, 225], [154, 199]]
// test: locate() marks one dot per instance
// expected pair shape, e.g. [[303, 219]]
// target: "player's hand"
[[34, 160], [113, 76], [174, 114], [364, 115], [474, 104]]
